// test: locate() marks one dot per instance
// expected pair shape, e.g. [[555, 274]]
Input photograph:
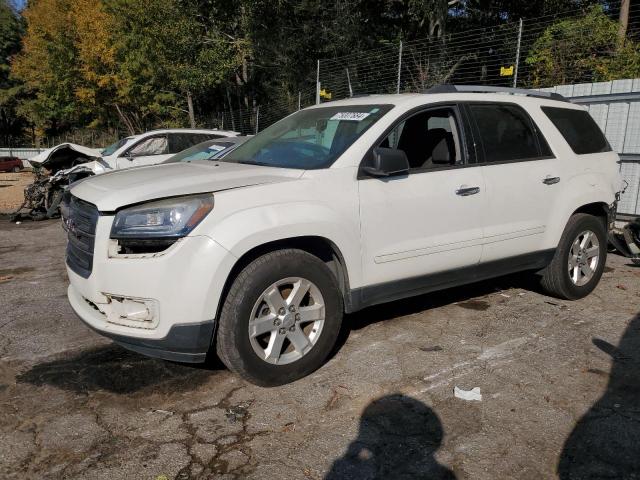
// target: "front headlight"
[[164, 219]]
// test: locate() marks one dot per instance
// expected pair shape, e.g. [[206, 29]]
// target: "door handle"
[[465, 191], [550, 180]]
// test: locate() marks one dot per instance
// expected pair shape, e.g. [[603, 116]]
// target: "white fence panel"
[[23, 153]]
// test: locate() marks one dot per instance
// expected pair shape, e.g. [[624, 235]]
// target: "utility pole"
[[257, 117], [623, 20], [515, 70], [399, 66], [349, 83], [318, 84]]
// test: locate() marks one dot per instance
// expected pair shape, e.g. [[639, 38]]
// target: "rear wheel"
[[280, 319], [15, 169], [579, 260]]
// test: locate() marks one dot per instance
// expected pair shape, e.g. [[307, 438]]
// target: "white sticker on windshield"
[[353, 116], [216, 148]]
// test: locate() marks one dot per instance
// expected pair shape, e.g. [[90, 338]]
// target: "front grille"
[[79, 219]]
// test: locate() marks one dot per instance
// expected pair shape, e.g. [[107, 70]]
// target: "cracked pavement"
[[560, 385]]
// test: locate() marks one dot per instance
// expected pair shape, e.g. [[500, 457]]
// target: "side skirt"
[[360, 298]]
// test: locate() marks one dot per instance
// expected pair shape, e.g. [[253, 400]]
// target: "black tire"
[[233, 344], [15, 169], [53, 205], [556, 280]]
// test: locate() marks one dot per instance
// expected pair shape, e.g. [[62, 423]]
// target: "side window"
[[149, 146], [179, 142], [579, 129], [203, 137], [430, 139], [506, 133]]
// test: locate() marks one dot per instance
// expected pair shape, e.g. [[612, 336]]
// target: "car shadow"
[[397, 438], [116, 370], [464, 295], [605, 443]]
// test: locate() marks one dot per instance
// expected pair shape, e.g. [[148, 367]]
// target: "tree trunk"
[[130, 128], [438, 18], [623, 20], [192, 117], [233, 123]]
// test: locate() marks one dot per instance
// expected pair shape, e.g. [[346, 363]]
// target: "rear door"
[[429, 221], [183, 140], [521, 178]]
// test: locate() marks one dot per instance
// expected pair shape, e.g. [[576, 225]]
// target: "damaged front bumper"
[[187, 343], [161, 305]]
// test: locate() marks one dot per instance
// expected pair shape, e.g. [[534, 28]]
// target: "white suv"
[[335, 208]]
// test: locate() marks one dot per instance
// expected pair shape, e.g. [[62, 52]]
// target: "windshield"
[[308, 139], [209, 150], [111, 149]]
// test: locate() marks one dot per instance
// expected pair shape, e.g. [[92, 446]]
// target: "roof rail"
[[448, 88]]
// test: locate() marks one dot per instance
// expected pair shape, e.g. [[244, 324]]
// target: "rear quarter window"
[[579, 130]]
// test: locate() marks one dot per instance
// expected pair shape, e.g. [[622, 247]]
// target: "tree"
[[48, 67], [94, 29], [584, 49], [11, 30], [169, 55]]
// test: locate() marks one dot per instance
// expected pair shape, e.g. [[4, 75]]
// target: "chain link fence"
[[529, 53], [249, 121]]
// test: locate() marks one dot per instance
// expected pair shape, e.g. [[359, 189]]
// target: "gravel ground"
[[560, 385], [12, 190]]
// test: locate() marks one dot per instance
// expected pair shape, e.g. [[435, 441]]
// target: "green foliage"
[[11, 31], [139, 64], [581, 50]]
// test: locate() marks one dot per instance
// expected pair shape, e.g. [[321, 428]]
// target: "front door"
[[429, 221], [148, 151]]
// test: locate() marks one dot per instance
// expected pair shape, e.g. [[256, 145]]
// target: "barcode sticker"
[[353, 116]]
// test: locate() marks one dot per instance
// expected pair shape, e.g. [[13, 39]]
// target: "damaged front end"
[[55, 169], [626, 239]]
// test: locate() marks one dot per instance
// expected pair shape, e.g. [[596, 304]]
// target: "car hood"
[[117, 189], [64, 156]]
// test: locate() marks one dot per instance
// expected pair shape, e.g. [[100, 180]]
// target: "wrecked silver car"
[[55, 169], [64, 164]]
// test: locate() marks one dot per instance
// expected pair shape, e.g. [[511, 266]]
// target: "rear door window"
[[579, 129], [181, 141], [507, 133]]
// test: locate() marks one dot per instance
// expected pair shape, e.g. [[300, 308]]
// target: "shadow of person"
[[605, 442], [397, 439]]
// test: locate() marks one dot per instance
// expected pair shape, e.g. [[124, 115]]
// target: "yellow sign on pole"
[[324, 94], [506, 71]]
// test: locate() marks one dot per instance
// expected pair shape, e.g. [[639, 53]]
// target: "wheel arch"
[[321, 247], [597, 209]]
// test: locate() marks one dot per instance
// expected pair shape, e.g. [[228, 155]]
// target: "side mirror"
[[387, 162]]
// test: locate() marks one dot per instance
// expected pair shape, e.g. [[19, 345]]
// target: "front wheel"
[[579, 260], [280, 319], [15, 169]]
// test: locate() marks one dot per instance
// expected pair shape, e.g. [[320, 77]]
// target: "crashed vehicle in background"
[[58, 167], [55, 169], [625, 237]]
